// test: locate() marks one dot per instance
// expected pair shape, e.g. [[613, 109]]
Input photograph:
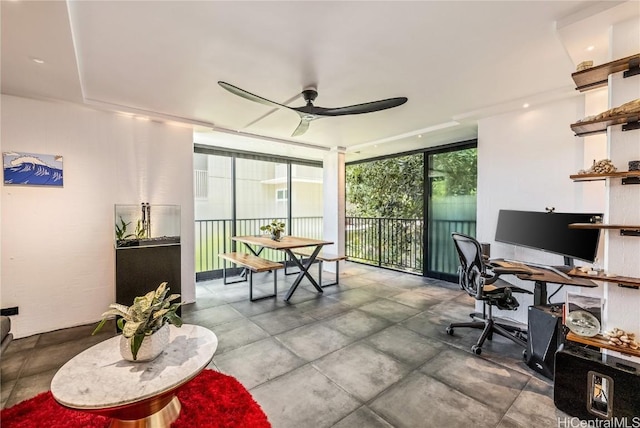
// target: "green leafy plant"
[[276, 228], [141, 232], [121, 230], [147, 314]]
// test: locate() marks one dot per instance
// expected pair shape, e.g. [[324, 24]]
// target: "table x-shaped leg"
[[304, 271]]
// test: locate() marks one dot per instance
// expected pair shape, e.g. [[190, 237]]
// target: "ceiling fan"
[[310, 112]]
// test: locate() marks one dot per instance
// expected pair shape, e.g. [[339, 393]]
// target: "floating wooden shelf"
[[625, 229], [627, 281], [597, 126], [597, 177], [600, 226], [601, 342], [596, 77]]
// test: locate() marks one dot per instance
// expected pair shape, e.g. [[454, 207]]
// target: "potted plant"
[[145, 324], [275, 228]]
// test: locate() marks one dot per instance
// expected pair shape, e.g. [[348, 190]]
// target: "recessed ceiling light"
[[525, 105], [419, 135], [37, 60], [590, 48]]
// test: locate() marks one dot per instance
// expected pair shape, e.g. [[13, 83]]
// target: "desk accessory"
[[583, 323]]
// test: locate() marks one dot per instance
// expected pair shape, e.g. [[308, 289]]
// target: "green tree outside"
[[391, 190]]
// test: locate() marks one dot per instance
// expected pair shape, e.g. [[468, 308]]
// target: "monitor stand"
[[563, 268], [552, 269]]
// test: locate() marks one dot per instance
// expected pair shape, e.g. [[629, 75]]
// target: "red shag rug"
[[210, 400]]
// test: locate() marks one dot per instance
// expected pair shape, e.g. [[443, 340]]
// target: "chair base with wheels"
[[478, 283], [489, 326]]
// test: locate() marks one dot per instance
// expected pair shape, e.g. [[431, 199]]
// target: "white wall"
[[58, 243], [524, 162], [623, 202]]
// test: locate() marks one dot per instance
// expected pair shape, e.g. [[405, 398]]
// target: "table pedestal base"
[[160, 419]]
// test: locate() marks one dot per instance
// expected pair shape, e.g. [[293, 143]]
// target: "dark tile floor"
[[371, 352]]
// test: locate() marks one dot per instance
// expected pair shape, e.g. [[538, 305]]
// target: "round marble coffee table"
[[134, 394]]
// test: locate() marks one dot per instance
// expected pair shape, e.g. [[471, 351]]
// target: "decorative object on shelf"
[[596, 77], [634, 165], [144, 325], [275, 228], [625, 109], [621, 338], [584, 65], [583, 323], [603, 166]]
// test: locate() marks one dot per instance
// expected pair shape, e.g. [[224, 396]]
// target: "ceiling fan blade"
[[249, 96], [360, 108], [302, 127]]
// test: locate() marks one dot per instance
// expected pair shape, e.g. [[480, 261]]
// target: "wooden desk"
[[541, 277], [286, 244]]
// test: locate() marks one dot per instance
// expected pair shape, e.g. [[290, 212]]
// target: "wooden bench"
[[252, 264], [320, 258]]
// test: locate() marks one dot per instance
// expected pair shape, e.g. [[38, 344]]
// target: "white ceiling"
[[456, 61]]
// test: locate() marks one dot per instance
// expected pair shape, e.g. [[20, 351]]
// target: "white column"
[[333, 190]]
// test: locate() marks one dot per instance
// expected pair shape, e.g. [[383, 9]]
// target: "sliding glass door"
[[451, 191], [401, 210], [236, 193]]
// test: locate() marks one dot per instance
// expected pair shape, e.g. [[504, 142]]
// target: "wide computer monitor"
[[550, 232]]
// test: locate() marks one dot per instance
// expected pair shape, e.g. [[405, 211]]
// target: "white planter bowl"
[[151, 347]]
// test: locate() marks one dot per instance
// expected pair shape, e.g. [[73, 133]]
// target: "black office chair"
[[477, 282]]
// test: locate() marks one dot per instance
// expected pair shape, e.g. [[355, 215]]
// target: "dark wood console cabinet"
[[141, 269]]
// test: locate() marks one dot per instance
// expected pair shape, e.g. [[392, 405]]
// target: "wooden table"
[[286, 244], [99, 380], [541, 277]]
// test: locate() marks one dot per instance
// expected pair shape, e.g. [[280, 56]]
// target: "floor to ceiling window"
[[451, 189], [385, 212], [400, 215], [306, 201], [236, 193]]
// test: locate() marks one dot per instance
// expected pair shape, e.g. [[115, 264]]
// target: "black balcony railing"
[[386, 242], [214, 237]]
